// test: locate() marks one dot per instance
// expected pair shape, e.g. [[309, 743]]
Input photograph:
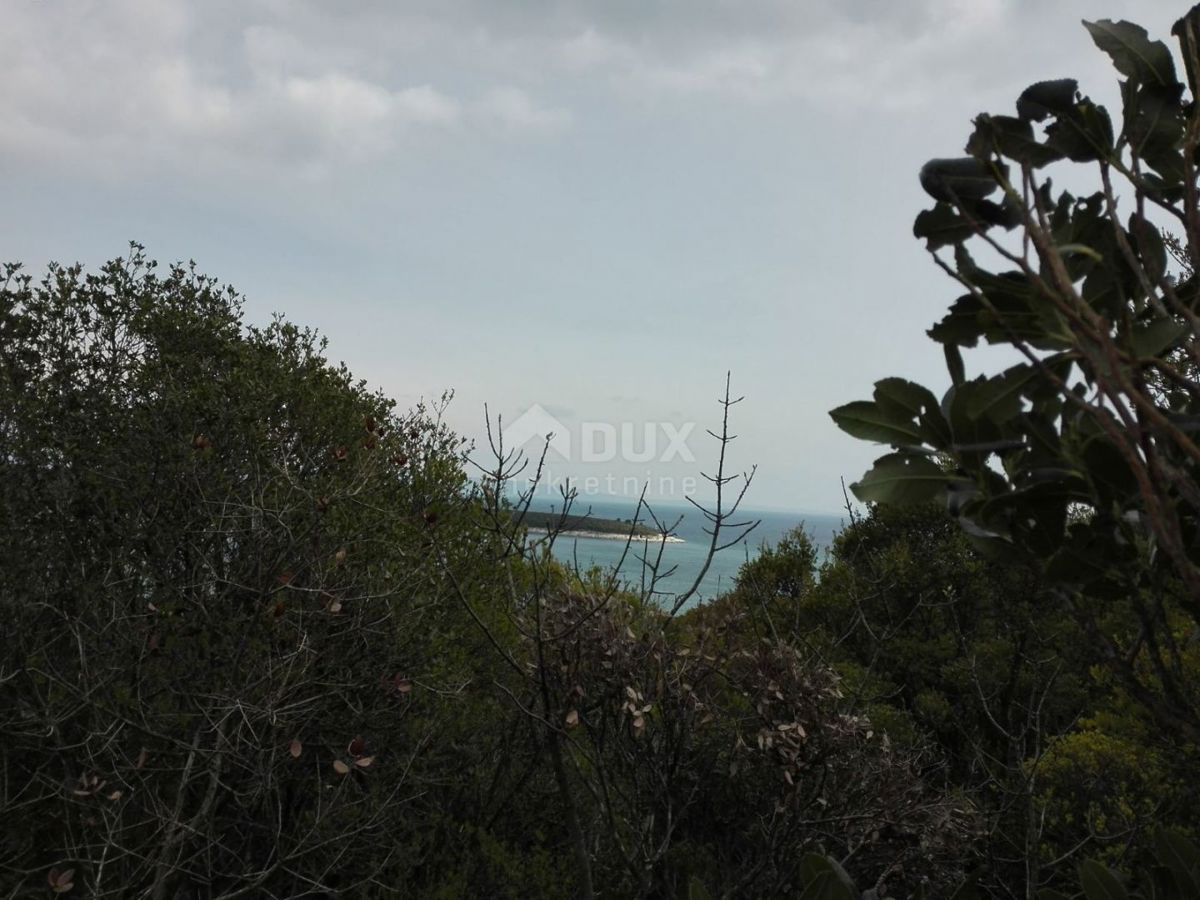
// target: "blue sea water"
[[688, 557]]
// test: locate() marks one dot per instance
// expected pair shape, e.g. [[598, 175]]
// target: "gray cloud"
[[314, 86], [164, 82]]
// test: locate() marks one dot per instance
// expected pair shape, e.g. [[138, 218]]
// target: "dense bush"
[[270, 640], [963, 663], [1076, 468], [220, 592], [1081, 460]]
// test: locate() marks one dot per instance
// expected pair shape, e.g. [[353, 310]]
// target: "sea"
[[687, 558]]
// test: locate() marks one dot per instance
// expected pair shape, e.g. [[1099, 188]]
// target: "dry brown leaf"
[[340, 767]]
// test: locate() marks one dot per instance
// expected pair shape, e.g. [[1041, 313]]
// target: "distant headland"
[[594, 527]]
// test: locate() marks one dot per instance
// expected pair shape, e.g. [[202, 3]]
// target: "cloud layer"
[[314, 86], [165, 83], [311, 86]]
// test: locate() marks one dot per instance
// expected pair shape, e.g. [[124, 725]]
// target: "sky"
[[593, 210]]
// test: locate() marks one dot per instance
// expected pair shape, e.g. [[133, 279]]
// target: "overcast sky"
[[598, 207]]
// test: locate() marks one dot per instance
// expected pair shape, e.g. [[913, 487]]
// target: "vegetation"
[[1079, 461], [1076, 467], [274, 642], [267, 637]]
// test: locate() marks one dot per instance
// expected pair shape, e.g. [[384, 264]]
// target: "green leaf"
[[1016, 310], [1047, 98], [1010, 137], [825, 887], [824, 879], [867, 421], [1083, 133], [999, 398], [813, 866], [903, 396], [1150, 246], [1099, 883], [901, 479], [954, 363], [1107, 285], [1181, 856], [942, 226], [1186, 30], [1152, 338], [1133, 53], [957, 180], [1154, 124], [961, 326], [815, 887], [843, 881], [975, 438], [1106, 466], [1081, 225], [907, 398]]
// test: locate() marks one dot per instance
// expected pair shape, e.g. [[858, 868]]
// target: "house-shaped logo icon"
[[536, 425]]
